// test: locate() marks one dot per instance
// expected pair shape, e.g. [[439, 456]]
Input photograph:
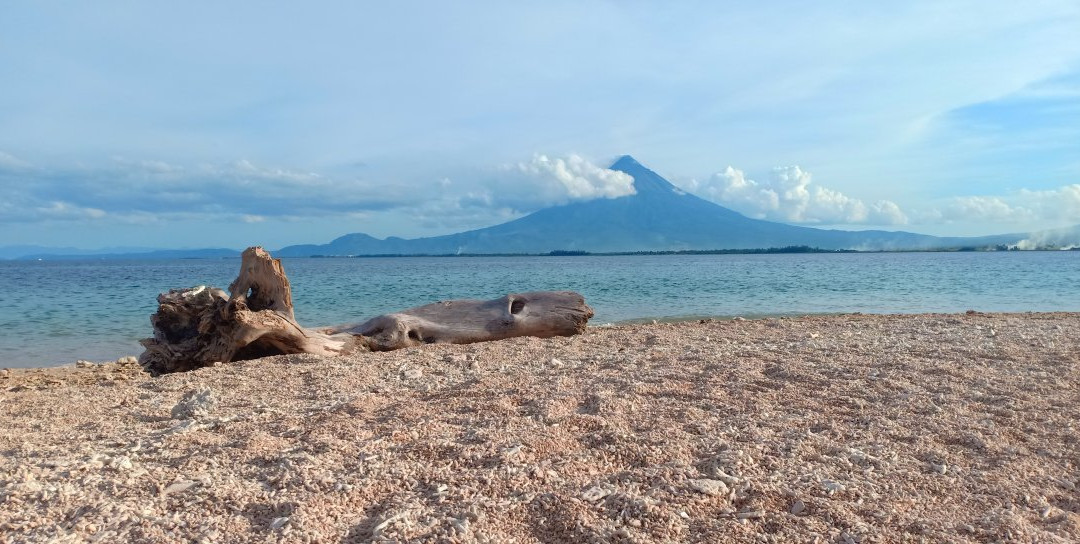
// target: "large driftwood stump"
[[200, 326]]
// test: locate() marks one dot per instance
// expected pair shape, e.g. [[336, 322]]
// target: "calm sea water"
[[54, 313]]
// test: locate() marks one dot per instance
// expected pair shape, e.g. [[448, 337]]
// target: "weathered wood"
[[262, 283], [543, 314], [197, 327], [200, 326]]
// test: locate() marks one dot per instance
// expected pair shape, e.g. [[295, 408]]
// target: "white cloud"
[[983, 209], [1053, 205], [246, 169], [886, 212], [788, 195], [579, 178], [11, 162], [456, 212], [66, 210]]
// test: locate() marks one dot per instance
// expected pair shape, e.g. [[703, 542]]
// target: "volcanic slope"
[[658, 217]]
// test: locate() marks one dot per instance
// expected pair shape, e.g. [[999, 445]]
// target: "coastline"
[[58, 314], [5, 366], [860, 428], [669, 319]]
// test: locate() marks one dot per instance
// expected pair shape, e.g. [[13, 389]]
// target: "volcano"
[[657, 217]]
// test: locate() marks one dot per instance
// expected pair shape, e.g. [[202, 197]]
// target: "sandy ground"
[[855, 428]]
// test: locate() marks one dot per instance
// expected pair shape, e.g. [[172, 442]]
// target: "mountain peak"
[[645, 181], [625, 162]]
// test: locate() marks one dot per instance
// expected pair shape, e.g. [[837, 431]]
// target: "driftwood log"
[[201, 326]]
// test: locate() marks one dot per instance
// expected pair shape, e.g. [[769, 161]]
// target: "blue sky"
[[209, 124]]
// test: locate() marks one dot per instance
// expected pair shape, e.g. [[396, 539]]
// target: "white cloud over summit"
[[580, 178], [485, 197], [788, 195]]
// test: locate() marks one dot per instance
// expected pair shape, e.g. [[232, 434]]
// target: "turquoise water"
[[56, 312]]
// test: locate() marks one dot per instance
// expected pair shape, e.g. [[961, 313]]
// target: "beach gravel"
[[849, 428]]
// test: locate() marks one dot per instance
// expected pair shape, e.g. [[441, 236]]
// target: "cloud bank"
[[133, 191], [1060, 205], [144, 191], [788, 195]]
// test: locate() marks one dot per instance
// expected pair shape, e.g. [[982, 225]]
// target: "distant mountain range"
[[658, 217]]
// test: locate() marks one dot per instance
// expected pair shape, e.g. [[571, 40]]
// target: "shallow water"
[[55, 312]]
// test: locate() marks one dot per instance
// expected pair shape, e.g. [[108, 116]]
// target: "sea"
[[57, 312]]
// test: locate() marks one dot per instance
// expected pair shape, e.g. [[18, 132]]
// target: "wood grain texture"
[[542, 313]]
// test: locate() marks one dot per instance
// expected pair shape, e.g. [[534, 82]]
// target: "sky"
[[201, 124]]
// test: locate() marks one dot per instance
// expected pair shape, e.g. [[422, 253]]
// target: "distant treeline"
[[576, 253], [756, 251]]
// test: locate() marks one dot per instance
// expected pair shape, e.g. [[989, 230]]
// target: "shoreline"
[[871, 428], [786, 250], [4, 366], [623, 322]]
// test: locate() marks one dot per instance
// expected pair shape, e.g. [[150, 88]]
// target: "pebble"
[[386, 523], [595, 493], [122, 462], [943, 468], [752, 514], [179, 487], [831, 487], [195, 403], [798, 507], [278, 523], [414, 374], [708, 486], [556, 362]]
